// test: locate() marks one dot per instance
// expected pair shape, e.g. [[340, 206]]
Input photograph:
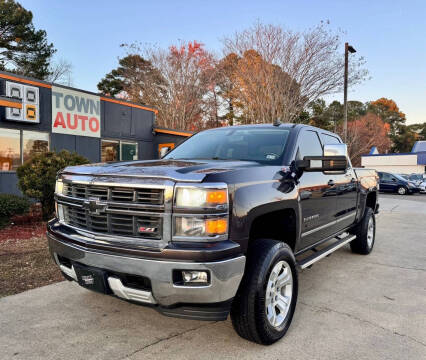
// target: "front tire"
[[365, 233], [266, 300], [401, 190]]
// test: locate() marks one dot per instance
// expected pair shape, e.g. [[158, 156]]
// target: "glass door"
[[129, 151]]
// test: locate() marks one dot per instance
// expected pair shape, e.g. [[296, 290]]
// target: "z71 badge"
[[143, 229]]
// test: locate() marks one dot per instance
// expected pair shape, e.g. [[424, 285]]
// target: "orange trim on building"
[[31, 82], [171, 146], [129, 104], [11, 104], [172, 132]]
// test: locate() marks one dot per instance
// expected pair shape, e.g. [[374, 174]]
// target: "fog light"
[[198, 277]]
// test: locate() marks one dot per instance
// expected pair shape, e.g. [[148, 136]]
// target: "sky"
[[389, 35]]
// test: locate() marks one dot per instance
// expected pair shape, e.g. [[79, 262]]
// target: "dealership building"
[[56, 117], [402, 163]]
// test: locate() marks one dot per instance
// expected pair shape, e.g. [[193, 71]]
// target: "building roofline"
[[173, 132], [32, 81], [394, 154]]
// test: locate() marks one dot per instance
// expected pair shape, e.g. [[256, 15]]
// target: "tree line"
[[377, 123], [266, 73]]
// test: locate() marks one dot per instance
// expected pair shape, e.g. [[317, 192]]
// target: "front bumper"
[[169, 298]]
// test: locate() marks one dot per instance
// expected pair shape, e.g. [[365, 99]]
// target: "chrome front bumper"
[[225, 276]]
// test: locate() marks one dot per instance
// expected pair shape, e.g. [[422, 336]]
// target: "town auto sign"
[[75, 112]]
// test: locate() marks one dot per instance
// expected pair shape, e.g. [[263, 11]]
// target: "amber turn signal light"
[[217, 197], [216, 226]]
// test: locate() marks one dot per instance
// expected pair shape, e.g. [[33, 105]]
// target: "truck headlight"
[[59, 187], [200, 227], [190, 196], [200, 212]]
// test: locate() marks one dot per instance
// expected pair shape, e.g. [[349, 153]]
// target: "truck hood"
[[178, 170]]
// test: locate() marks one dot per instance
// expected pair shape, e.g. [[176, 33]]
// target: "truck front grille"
[[117, 194], [115, 210]]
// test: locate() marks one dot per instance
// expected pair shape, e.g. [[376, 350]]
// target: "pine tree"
[[23, 49]]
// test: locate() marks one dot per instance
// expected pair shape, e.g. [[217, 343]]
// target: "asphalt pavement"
[[350, 307]]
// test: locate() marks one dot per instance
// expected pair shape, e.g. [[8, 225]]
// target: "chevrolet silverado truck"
[[220, 225]]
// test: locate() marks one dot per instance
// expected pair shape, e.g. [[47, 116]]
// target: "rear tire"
[[266, 300], [401, 190], [365, 233]]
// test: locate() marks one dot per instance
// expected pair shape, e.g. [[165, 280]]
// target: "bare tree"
[[188, 71], [60, 72], [296, 68]]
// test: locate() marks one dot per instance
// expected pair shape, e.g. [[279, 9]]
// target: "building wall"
[[404, 164], [119, 120], [8, 183], [399, 169], [162, 138]]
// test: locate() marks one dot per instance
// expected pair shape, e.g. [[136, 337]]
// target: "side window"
[[386, 177], [309, 145], [328, 139]]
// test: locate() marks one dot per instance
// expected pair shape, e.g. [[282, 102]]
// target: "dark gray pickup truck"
[[220, 225]]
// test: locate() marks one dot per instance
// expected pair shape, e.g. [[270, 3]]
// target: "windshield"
[[400, 177], [256, 144]]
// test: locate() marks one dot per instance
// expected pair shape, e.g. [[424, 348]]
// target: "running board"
[[308, 261]]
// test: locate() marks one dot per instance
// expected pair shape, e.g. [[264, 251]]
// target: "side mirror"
[[393, 179], [323, 163], [335, 158], [335, 150], [164, 151]]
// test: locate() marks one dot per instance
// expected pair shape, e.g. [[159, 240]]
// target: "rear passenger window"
[[328, 139], [309, 145]]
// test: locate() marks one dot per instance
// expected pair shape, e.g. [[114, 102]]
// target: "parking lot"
[[350, 307]]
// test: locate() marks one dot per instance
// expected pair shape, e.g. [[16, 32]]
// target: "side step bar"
[[308, 261]]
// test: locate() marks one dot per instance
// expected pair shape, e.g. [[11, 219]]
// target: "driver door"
[[317, 193]]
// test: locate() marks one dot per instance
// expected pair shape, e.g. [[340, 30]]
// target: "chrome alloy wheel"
[[370, 232], [279, 291], [401, 191]]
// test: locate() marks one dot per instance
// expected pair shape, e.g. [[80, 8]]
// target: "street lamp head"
[[351, 49]]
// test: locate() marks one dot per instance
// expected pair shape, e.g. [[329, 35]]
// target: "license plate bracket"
[[91, 278]]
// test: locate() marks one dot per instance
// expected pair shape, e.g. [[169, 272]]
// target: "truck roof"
[[280, 126]]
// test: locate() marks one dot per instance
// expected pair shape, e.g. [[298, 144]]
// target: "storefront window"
[[129, 151], [34, 143], [10, 149], [117, 150], [110, 150]]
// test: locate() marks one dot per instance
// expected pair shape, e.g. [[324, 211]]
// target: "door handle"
[[330, 182]]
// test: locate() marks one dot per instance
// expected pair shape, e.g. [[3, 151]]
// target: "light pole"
[[348, 49]]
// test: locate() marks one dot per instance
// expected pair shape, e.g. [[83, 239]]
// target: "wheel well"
[[278, 225], [371, 200]]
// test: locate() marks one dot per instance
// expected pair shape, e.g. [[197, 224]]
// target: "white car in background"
[[420, 181]]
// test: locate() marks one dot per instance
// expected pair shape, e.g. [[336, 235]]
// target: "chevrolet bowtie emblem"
[[94, 206]]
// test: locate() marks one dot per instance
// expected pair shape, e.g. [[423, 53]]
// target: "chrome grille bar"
[[125, 211]]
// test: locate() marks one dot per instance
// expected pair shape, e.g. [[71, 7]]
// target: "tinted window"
[[309, 145], [255, 144], [328, 139], [386, 177], [399, 177]]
